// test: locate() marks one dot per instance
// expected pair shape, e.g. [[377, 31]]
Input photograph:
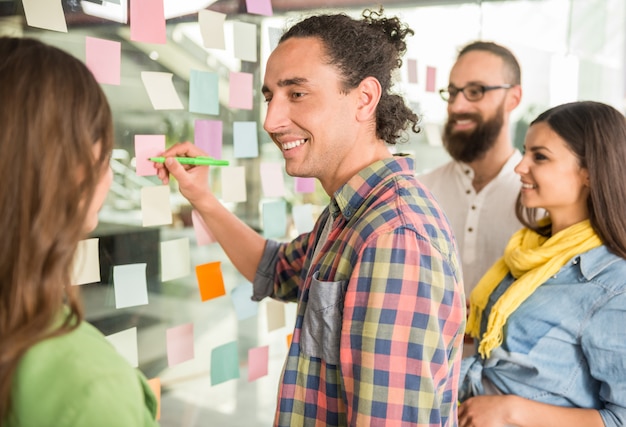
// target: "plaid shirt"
[[381, 311]]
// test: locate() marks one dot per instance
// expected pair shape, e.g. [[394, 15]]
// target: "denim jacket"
[[566, 344]]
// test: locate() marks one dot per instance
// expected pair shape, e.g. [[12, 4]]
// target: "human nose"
[[458, 103], [521, 168], [277, 116]]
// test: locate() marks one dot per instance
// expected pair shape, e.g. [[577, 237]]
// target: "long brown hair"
[[53, 112], [596, 134]]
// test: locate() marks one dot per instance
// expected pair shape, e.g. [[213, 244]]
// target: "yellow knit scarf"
[[531, 259]]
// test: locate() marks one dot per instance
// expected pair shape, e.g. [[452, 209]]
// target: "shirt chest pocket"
[[321, 326]]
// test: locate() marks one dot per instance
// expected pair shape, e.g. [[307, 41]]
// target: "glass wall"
[[216, 355]]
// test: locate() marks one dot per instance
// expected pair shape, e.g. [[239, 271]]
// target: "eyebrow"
[[295, 81]]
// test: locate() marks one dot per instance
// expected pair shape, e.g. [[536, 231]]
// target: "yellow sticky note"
[[210, 280]]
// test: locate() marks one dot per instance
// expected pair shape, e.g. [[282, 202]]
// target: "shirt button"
[[554, 277], [467, 172], [470, 229], [575, 261], [468, 191], [473, 207]]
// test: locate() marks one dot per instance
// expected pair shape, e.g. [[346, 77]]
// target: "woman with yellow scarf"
[[550, 315]]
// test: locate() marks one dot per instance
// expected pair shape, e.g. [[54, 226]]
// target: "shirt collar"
[[596, 260], [352, 194]]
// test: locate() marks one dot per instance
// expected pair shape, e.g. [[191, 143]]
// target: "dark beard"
[[467, 147]]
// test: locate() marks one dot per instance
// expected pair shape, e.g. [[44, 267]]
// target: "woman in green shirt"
[[56, 140]]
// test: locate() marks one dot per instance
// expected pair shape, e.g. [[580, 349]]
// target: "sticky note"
[[258, 358], [260, 7], [233, 184], [431, 76], [161, 91], [244, 306], [104, 58], [303, 217], [203, 92], [304, 185], [147, 146], [288, 340], [180, 347], [155, 205], [244, 36], [131, 288], [274, 34], [147, 21], [272, 179], [274, 219], [203, 233], [411, 65], [224, 363], [240, 91], [46, 14], [175, 259], [155, 386], [209, 136], [212, 29], [125, 342], [86, 264], [210, 280], [245, 140], [275, 315]]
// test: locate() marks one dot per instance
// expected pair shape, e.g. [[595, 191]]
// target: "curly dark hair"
[[369, 47]]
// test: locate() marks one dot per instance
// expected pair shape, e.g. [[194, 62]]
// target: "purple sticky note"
[[209, 136], [147, 21], [103, 58], [305, 185], [260, 7]]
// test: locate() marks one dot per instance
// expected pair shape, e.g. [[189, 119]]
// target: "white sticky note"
[[212, 29], [244, 36], [161, 90], [130, 284], [234, 184], [275, 315], [303, 218], [86, 267], [46, 14], [155, 205], [125, 342], [272, 179], [175, 259]]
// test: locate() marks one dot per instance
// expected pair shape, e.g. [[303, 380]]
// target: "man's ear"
[[514, 97], [369, 92]]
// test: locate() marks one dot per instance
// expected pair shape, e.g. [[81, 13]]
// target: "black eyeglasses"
[[472, 92]]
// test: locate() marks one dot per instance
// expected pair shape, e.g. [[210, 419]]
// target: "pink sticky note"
[[305, 185], [147, 21], [209, 136], [257, 362], [203, 234], [103, 58], [240, 91], [431, 74], [179, 344], [260, 7], [147, 146]]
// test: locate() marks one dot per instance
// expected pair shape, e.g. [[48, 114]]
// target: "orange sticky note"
[[155, 385], [289, 337], [210, 280]]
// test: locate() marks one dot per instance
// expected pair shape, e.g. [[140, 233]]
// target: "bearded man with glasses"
[[478, 187]]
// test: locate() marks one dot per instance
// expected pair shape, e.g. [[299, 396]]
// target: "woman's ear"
[[369, 93]]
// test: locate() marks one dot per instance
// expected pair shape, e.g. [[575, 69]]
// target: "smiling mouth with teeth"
[[293, 144], [529, 186]]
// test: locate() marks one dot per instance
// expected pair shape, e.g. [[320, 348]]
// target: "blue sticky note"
[[224, 363], [130, 283], [244, 306], [275, 219], [203, 92], [245, 140]]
